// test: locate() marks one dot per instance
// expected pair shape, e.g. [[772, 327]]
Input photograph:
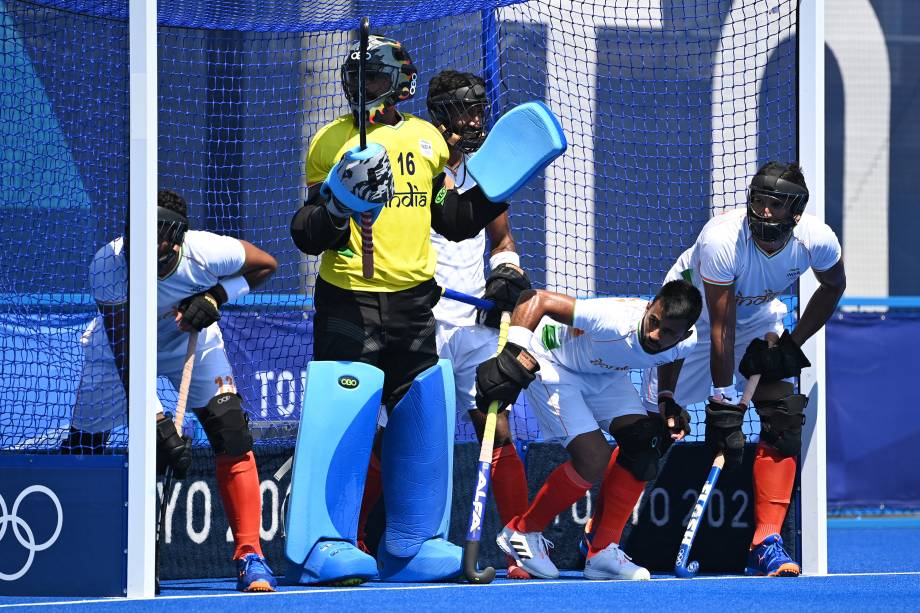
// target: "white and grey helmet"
[[363, 179]]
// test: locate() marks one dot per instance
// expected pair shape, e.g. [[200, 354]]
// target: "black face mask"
[[446, 108], [171, 228]]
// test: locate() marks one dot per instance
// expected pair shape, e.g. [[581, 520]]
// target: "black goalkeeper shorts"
[[394, 331]]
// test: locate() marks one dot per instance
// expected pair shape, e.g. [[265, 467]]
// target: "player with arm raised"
[[742, 261], [197, 273], [573, 357], [385, 321], [458, 105]]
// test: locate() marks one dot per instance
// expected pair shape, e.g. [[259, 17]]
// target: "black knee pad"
[[781, 423], [226, 425], [642, 443]]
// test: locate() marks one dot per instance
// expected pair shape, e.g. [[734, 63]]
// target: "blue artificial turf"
[[882, 550]]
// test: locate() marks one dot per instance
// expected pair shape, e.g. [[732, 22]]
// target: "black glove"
[[503, 287], [503, 377], [783, 360], [172, 450], [723, 431], [203, 309], [680, 415]]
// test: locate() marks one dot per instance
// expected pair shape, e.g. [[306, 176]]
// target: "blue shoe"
[[770, 559], [254, 575]]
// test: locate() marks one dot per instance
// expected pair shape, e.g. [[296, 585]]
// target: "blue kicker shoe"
[[769, 558], [254, 575]]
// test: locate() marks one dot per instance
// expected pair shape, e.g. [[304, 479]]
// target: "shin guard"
[[337, 426], [417, 465]]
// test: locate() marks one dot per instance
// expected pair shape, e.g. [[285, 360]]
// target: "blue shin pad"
[[340, 406], [417, 466]]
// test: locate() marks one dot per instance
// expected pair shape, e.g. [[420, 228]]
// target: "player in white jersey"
[[458, 105], [198, 272], [577, 380], [742, 261]]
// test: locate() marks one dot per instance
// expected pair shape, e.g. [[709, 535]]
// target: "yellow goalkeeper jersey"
[[403, 254]]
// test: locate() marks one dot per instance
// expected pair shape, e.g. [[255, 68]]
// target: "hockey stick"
[[367, 218], [683, 568], [179, 420], [471, 547], [480, 303]]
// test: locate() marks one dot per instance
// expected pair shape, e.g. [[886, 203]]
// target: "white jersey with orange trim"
[[725, 253], [460, 265], [603, 339]]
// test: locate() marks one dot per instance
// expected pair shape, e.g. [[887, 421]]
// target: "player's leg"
[[100, 400], [781, 419], [219, 409], [467, 349], [641, 441], [563, 416]]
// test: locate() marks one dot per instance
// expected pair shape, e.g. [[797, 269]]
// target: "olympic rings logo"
[[23, 532]]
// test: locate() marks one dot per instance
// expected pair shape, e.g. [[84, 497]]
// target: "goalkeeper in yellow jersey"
[[386, 320]]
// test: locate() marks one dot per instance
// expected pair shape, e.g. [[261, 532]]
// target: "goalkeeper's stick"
[[471, 547], [683, 568], [179, 420], [367, 218]]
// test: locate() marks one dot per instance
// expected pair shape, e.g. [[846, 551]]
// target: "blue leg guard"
[[417, 465], [339, 418]]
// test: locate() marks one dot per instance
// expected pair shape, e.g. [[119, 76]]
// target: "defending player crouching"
[[577, 382], [374, 338], [197, 273], [742, 261]]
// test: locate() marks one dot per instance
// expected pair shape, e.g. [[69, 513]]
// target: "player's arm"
[[832, 283], [668, 374], [458, 217], [533, 305], [317, 227], [115, 324], [500, 239], [203, 309], [506, 277], [720, 300]]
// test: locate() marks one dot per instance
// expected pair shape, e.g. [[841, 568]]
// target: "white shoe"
[[529, 550], [612, 563]]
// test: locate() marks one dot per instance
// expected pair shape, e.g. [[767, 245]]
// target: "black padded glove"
[[203, 309], [783, 360], [723, 431], [503, 377], [503, 287], [172, 450], [679, 413]]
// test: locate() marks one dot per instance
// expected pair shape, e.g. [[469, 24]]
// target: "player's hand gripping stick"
[[483, 477]]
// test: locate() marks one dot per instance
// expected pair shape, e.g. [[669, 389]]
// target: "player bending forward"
[[742, 261], [197, 273], [577, 381], [457, 105]]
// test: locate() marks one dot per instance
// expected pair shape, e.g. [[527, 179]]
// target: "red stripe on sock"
[[774, 476], [562, 489], [509, 483], [620, 492], [238, 482], [373, 488]]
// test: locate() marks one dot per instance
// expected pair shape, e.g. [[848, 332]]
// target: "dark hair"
[[680, 300], [172, 201], [449, 80]]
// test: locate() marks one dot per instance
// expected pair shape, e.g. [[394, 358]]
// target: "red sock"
[[509, 483], [238, 481], [373, 488], [598, 516], [774, 476], [562, 489], [620, 492]]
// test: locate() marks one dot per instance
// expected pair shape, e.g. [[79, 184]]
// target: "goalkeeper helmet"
[[776, 187], [390, 76], [458, 106]]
